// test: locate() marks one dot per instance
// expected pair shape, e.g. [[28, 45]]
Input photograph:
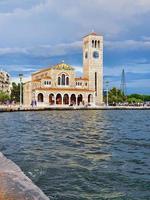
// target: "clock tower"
[[93, 64]]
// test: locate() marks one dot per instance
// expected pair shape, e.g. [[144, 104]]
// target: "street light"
[[107, 84], [20, 76]]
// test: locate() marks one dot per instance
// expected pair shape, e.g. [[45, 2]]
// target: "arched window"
[[40, 97], [98, 44], [67, 80], [63, 79], [92, 43], [95, 44], [59, 80]]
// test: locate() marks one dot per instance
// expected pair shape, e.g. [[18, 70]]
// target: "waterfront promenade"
[[30, 108]]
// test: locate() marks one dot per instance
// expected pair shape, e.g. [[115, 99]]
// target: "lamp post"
[[20, 76], [107, 84]]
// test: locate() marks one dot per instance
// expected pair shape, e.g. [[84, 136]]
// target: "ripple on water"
[[81, 155]]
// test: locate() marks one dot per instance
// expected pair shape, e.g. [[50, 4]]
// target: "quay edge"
[[14, 184], [25, 109]]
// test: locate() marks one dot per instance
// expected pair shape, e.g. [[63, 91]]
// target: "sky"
[[38, 33]]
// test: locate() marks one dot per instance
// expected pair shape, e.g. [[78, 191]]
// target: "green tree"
[[4, 97], [140, 96], [115, 96], [134, 100], [15, 92]]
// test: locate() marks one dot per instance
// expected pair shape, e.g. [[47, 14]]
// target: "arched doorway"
[[66, 99], [90, 98], [51, 99], [80, 99], [73, 99], [40, 98], [59, 99]]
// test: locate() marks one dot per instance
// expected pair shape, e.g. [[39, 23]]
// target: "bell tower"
[[93, 64]]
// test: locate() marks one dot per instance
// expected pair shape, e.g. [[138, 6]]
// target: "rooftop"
[[60, 66], [92, 33]]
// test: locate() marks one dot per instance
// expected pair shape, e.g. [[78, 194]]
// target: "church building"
[[58, 85]]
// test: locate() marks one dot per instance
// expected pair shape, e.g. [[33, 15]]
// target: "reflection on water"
[[81, 155]]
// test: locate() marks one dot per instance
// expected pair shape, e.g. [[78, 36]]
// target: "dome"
[[62, 66]]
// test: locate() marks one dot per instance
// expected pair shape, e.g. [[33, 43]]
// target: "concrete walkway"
[[25, 108]]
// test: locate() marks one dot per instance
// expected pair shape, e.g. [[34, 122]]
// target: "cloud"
[[36, 33], [129, 44], [17, 80], [49, 22], [10, 6], [117, 70], [45, 50]]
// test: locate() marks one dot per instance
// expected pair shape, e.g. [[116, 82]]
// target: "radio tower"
[[123, 83]]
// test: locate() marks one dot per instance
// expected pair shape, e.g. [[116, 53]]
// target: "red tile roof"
[[82, 78]]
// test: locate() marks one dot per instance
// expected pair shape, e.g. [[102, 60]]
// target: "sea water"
[[81, 155]]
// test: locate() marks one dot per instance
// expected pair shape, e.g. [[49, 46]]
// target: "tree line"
[[14, 95], [115, 96]]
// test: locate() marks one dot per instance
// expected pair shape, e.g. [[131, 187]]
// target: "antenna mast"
[[123, 83]]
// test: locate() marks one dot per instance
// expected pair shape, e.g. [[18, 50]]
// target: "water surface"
[[81, 155]]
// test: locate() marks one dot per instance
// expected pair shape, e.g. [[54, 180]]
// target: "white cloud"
[[56, 50], [45, 50], [49, 21], [10, 6], [117, 70], [9, 50], [129, 44], [17, 80], [75, 47]]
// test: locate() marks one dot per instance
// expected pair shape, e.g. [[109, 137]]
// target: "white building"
[[4, 82], [58, 84]]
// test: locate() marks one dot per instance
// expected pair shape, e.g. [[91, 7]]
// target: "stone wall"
[[14, 185]]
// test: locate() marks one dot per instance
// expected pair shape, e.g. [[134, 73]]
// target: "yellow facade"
[[58, 85]]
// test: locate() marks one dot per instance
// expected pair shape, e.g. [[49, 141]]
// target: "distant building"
[[4, 82], [58, 85]]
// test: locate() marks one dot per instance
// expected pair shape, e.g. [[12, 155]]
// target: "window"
[[92, 43], [98, 44], [63, 79], [59, 80], [95, 44], [96, 83], [86, 54], [47, 82], [67, 80]]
